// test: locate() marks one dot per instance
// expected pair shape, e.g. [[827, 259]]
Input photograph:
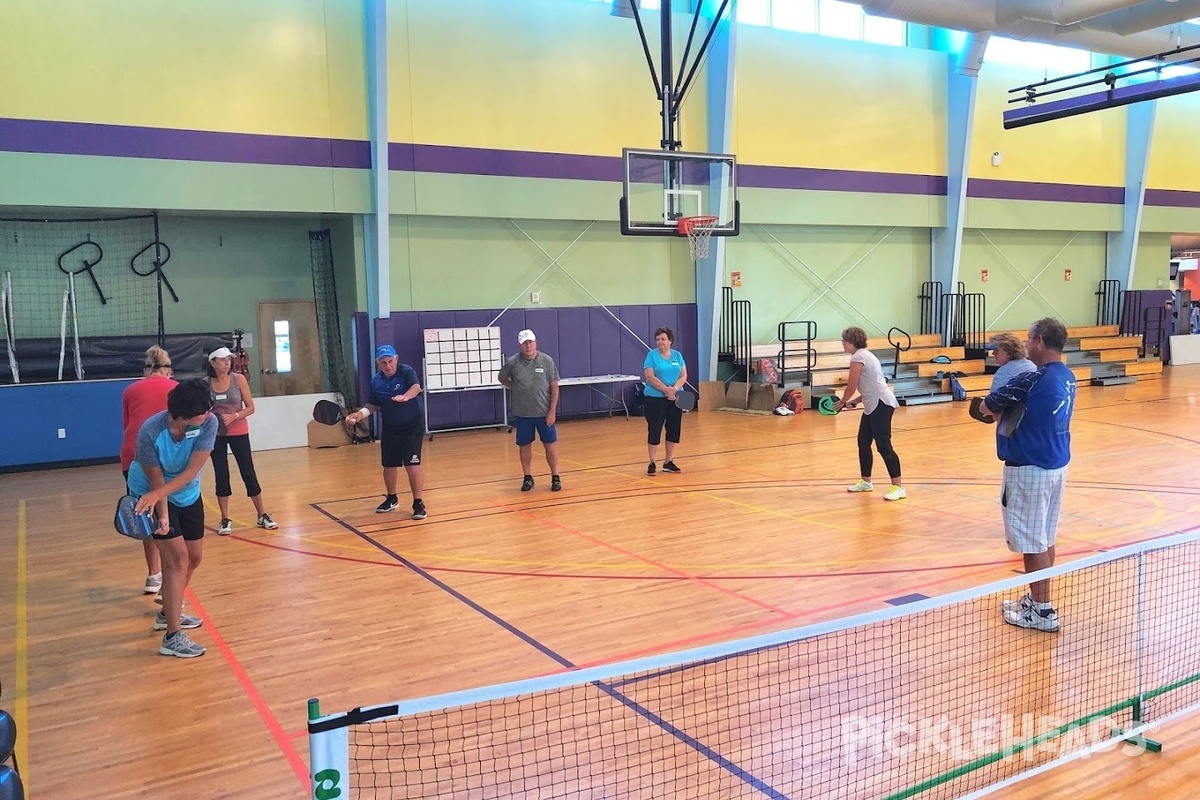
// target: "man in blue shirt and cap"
[[396, 394]]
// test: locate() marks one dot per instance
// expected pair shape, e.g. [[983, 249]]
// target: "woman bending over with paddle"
[[232, 404], [666, 374], [879, 404]]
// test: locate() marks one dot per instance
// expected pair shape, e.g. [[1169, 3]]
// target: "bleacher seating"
[[1097, 355]]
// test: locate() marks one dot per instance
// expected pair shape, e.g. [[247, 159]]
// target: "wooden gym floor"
[[354, 608]]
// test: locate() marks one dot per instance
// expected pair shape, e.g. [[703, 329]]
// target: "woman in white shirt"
[[879, 404]]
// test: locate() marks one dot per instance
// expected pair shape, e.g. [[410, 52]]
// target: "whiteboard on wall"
[[461, 358]]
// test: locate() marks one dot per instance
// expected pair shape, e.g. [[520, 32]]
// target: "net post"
[[329, 753], [1143, 744]]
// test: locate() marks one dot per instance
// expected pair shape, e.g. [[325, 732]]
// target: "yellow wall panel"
[[1086, 150], [220, 65], [1173, 162], [812, 101], [536, 75]]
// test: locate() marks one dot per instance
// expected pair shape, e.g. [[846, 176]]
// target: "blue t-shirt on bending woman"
[[666, 369], [156, 447]]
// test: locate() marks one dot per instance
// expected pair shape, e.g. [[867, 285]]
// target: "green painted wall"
[[222, 267], [1026, 274], [836, 276], [450, 263]]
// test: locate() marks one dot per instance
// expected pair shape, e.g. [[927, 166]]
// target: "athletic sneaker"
[[265, 521], [896, 493], [390, 503], [527, 484], [1029, 617], [226, 527], [418, 509], [861, 486], [651, 469], [1026, 601], [555, 484], [153, 584], [186, 621], [158, 598], [179, 645], [669, 466]]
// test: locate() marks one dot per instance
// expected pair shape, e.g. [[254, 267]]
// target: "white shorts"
[[1030, 499]]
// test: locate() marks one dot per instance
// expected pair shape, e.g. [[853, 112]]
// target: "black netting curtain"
[[329, 323]]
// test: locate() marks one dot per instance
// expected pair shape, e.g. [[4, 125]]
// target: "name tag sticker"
[[539, 369], [220, 396], [190, 434]]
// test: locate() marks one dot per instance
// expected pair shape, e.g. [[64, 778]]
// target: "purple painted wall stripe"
[[124, 141], [1172, 198], [839, 180], [1054, 192], [94, 139]]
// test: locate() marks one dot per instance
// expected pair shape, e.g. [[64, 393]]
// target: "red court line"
[[664, 567], [256, 699]]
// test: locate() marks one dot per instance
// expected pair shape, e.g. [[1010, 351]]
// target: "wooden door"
[[290, 352]]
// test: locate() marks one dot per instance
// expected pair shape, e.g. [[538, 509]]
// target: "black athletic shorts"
[[400, 446], [186, 521]]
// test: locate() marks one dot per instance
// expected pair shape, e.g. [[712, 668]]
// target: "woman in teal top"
[[666, 373]]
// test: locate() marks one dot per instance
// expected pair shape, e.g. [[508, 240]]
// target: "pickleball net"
[[936, 698]]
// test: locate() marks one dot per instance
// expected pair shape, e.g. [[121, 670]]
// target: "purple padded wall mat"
[[581, 340]]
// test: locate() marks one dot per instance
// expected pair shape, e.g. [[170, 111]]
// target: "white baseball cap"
[[220, 352], [526, 336]]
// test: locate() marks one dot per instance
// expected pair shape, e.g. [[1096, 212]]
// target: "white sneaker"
[[861, 486], [153, 584], [1031, 618], [896, 493], [226, 527], [1014, 606]]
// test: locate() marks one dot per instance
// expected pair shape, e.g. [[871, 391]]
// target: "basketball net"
[[699, 232]]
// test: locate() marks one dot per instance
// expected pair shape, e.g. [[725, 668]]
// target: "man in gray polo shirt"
[[532, 379]]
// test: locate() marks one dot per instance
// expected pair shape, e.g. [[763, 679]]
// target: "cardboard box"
[[712, 395], [764, 397], [735, 395], [327, 435]]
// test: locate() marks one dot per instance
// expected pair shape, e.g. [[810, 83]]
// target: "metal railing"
[[894, 341], [1109, 300], [806, 335]]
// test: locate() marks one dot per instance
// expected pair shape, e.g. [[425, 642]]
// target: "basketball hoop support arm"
[[670, 96]]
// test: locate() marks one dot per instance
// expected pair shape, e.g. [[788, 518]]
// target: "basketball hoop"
[[699, 231]]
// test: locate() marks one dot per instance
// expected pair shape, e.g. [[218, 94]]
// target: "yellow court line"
[[21, 702]]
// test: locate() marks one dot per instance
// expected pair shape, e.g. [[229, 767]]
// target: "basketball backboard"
[[662, 186]]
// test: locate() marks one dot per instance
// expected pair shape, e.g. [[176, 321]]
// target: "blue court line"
[[906, 599], [638, 708]]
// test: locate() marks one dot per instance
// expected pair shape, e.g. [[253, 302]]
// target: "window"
[[839, 19], [753, 12], [795, 15], [835, 18], [283, 346], [1000, 50]]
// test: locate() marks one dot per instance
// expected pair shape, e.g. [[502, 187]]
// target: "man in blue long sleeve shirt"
[[1035, 455]]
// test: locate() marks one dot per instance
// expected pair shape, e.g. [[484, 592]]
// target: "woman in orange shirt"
[[141, 400]]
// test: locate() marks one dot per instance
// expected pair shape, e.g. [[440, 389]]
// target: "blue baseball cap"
[[384, 351]]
